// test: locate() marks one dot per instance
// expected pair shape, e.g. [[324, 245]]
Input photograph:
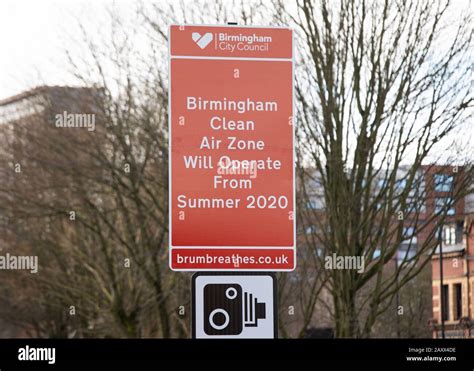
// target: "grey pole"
[[440, 239]]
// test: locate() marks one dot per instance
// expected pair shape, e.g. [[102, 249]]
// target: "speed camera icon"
[[234, 305], [228, 309]]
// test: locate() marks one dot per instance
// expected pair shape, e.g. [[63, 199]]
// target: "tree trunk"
[[345, 315]]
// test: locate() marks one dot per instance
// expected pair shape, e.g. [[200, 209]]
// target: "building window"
[[443, 182], [457, 301], [452, 233], [459, 231], [315, 202], [445, 302], [405, 254], [409, 235], [449, 234], [376, 254], [416, 204], [400, 185], [442, 203]]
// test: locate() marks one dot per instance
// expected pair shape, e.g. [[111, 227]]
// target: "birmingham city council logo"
[[202, 41]]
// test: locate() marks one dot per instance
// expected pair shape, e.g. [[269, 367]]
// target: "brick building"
[[453, 296], [437, 189]]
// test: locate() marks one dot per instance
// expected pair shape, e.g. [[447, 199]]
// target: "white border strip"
[[230, 26], [232, 58], [236, 247]]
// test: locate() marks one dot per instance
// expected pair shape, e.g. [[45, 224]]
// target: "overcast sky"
[[35, 33], [33, 37]]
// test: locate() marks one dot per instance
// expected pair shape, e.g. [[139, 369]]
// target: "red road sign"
[[232, 190]]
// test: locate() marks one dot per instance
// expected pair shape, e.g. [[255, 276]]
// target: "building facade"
[[453, 274]]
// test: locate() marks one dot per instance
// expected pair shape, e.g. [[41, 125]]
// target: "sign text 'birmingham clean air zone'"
[[231, 148]]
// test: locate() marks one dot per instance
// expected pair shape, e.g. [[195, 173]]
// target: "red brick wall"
[[452, 267]]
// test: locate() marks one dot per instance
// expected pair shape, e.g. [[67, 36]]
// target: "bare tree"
[[93, 205], [378, 91]]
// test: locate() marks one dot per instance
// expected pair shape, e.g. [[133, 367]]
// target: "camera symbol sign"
[[234, 305]]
